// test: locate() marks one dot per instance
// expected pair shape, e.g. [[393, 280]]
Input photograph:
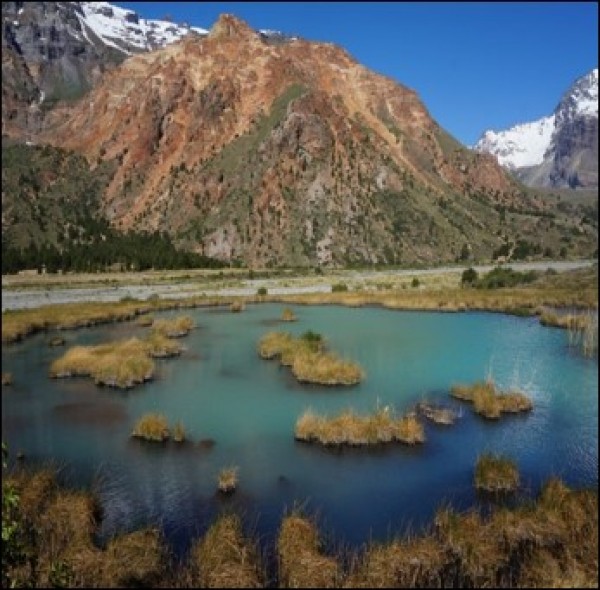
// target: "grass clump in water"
[[173, 328], [152, 427], [489, 402], [495, 474], [118, 364], [308, 361], [301, 563], [288, 315], [227, 480], [145, 320], [237, 306], [224, 558], [7, 378], [351, 429], [178, 433]]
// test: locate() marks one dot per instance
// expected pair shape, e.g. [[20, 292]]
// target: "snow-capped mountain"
[[125, 30], [558, 150]]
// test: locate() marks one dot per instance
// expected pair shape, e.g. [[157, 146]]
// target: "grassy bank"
[[551, 541]]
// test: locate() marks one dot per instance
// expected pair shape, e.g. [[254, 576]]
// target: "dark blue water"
[[221, 390]]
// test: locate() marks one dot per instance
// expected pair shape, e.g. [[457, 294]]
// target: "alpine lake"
[[240, 410]]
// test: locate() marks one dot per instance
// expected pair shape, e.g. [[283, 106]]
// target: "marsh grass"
[[288, 315], [121, 364], [152, 427], [308, 362], [173, 328], [437, 414], [224, 558], [158, 345], [237, 306], [227, 480], [178, 432], [494, 473], [301, 561], [489, 402], [352, 429], [550, 541], [145, 320]]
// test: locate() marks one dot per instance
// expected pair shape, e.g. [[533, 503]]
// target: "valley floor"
[[21, 292]]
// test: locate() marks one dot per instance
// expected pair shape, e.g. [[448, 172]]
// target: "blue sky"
[[476, 66]]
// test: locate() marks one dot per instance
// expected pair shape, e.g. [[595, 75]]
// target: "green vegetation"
[[351, 429], [339, 288], [469, 277], [261, 291], [152, 427], [551, 541], [495, 473], [489, 402], [308, 362], [502, 277], [227, 480]]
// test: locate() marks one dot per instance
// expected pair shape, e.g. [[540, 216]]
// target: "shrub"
[[261, 291], [469, 276], [415, 282], [339, 288]]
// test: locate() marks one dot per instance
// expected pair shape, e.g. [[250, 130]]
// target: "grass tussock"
[[227, 480], [352, 429], [301, 562], [437, 414], [288, 315], [118, 364], [496, 474], [551, 541], [489, 402], [160, 346], [7, 378], [308, 362], [224, 558], [152, 427], [173, 328], [145, 320], [237, 306]]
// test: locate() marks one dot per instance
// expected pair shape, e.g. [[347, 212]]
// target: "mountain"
[[256, 148], [560, 150], [54, 51]]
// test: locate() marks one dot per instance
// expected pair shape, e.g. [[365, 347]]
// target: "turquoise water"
[[221, 390]]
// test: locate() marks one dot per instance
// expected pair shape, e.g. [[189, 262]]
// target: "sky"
[[476, 66]]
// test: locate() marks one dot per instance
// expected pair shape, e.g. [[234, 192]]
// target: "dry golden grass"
[[227, 480], [569, 321], [118, 364], [349, 428], [173, 328], [301, 563], [223, 558], [237, 306], [489, 402], [494, 473], [7, 378], [152, 427], [145, 320], [288, 315], [178, 432], [160, 346], [308, 362]]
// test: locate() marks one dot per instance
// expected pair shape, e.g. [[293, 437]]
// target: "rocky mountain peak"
[[228, 26]]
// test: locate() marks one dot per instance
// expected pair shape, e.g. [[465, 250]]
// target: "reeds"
[[224, 558], [173, 328], [489, 402], [351, 429], [288, 315], [227, 480], [301, 563], [494, 473], [308, 362], [178, 433], [118, 364], [152, 427]]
